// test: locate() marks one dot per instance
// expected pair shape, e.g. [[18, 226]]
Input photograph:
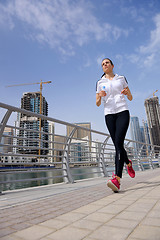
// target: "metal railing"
[[68, 152]]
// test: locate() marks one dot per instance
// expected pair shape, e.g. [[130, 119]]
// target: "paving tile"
[[157, 205], [146, 233], [87, 209], [34, 232], [123, 223], [137, 186], [16, 216], [131, 215], [140, 207], [102, 202], [5, 224], [130, 238], [6, 231], [46, 238], [69, 233], [55, 223], [113, 208], [111, 233], [88, 238], [125, 202], [150, 221], [37, 220], [87, 224], [154, 213], [99, 217], [140, 192], [114, 196], [21, 226], [3, 219], [131, 197], [71, 216], [147, 200], [11, 237], [153, 194]]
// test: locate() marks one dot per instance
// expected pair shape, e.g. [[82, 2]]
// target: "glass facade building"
[[135, 131]]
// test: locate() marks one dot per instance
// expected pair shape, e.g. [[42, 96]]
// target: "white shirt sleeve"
[[98, 89], [125, 83]]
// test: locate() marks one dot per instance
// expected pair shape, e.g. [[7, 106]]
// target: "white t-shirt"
[[114, 101]]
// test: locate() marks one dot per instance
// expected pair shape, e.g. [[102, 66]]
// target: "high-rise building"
[[31, 102], [135, 132], [142, 134], [51, 141], [152, 108], [146, 132], [146, 137]]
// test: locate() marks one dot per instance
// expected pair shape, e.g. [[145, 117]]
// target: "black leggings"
[[117, 125]]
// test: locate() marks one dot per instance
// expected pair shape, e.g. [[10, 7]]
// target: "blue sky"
[[64, 41]]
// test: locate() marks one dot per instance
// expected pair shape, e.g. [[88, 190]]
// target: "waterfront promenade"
[[85, 210]]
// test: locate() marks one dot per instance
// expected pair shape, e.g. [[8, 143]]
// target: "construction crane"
[[153, 94], [40, 122]]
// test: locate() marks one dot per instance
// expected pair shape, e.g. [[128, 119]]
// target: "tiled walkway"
[[85, 210]]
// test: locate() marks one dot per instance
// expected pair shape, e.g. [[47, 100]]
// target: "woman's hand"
[[99, 96], [127, 92], [102, 94]]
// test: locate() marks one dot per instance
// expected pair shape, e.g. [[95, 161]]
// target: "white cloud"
[[99, 59], [148, 54], [135, 13], [59, 24], [154, 43], [5, 17]]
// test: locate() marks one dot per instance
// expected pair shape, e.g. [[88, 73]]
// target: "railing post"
[[140, 165], [101, 159], [150, 158], [3, 125], [4, 122], [126, 146], [65, 159], [159, 159]]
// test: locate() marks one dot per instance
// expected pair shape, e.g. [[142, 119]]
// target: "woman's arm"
[[126, 91], [99, 96], [98, 100]]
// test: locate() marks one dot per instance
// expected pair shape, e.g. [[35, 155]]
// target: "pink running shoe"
[[131, 171], [113, 184]]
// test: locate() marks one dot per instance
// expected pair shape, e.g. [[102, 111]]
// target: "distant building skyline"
[[140, 134]]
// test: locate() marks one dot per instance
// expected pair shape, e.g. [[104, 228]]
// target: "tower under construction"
[[152, 108], [30, 138]]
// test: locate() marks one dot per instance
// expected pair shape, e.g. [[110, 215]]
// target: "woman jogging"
[[111, 89]]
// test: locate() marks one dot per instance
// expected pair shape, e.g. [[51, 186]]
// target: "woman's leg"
[[117, 125], [111, 125], [122, 123]]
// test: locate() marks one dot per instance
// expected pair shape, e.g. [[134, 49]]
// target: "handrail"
[[68, 155]]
